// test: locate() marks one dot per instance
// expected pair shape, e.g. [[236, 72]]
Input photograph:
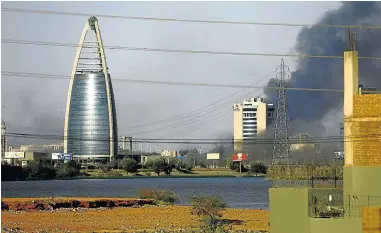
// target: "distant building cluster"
[[47, 148], [23, 158], [302, 142]]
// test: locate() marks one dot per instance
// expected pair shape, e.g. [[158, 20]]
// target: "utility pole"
[[130, 143], [282, 152], [3, 139]]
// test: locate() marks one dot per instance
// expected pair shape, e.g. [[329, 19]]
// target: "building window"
[[250, 114], [250, 109], [249, 131], [249, 123]]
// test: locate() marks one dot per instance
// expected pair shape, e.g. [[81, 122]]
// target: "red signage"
[[239, 157]]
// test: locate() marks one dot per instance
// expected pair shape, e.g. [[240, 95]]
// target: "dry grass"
[[127, 219]]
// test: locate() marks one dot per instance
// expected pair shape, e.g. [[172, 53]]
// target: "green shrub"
[[258, 168], [69, 169], [40, 171], [159, 166], [104, 168], [235, 167], [160, 196], [12, 173], [129, 165], [209, 208], [202, 164], [113, 164], [188, 167]]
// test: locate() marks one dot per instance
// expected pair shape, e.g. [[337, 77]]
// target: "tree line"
[[40, 170], [159, 166], [167, 164], [43, 170]]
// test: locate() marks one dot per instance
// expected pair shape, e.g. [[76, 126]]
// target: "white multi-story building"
[[251, 118]]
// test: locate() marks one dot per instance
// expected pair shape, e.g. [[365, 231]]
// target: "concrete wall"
[[289, 213], [289, 210], [330, 225], [366, 130], [362, 181], [351, 83]]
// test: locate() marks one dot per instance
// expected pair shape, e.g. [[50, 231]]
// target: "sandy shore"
[[127, 219]]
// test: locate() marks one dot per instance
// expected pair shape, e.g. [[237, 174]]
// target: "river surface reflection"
[[250, 192]]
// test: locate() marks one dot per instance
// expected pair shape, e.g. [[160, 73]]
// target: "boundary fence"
[[340, 206], [306, 176]]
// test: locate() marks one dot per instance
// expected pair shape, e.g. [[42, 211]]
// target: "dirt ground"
[[126, 219]]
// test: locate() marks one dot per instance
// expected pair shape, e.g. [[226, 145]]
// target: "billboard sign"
[[67, 157], [14, 155], [61, 156], [57, 156], [239, 157], [213, 156]]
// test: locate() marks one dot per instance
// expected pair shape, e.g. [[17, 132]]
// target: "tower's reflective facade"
[[90, 122]]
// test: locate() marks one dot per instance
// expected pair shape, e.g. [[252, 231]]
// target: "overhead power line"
[[181, 116], [330, 139], [130, 48], [176, 134], [214, 107], [180, 124], [295, 139], [66, 77], [33, 11]]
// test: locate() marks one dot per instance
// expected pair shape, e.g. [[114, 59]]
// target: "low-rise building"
[[22, 158], [169, 153], [146, 158]]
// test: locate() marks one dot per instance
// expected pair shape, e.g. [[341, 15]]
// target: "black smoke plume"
[[307, 106]]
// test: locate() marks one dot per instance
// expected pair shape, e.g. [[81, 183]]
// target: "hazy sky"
[[38, 105]]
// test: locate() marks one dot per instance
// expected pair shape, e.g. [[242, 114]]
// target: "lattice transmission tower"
[[282, 152]]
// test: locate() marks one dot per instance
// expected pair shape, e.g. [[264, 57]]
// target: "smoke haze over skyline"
[[38, 105]]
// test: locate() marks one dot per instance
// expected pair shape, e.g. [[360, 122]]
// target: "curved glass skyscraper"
[[90, 121]]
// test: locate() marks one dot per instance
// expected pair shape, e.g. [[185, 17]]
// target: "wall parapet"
[[305, 176]]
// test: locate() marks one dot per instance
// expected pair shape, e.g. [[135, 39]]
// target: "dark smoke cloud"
[[35, 118], [328, 73]]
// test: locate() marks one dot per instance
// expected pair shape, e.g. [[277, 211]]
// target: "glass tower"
[[90, 121]]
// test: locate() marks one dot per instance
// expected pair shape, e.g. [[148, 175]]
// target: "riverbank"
[[124, 219], [36, 204], [196, 173]]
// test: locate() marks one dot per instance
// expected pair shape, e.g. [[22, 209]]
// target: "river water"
[[248, 192]]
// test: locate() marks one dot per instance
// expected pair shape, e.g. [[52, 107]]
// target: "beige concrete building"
[[22, 158], [303, 141], [169, 153], [251, 118]]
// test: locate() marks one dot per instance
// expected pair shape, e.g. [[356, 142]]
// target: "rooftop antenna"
[[350, 39]]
